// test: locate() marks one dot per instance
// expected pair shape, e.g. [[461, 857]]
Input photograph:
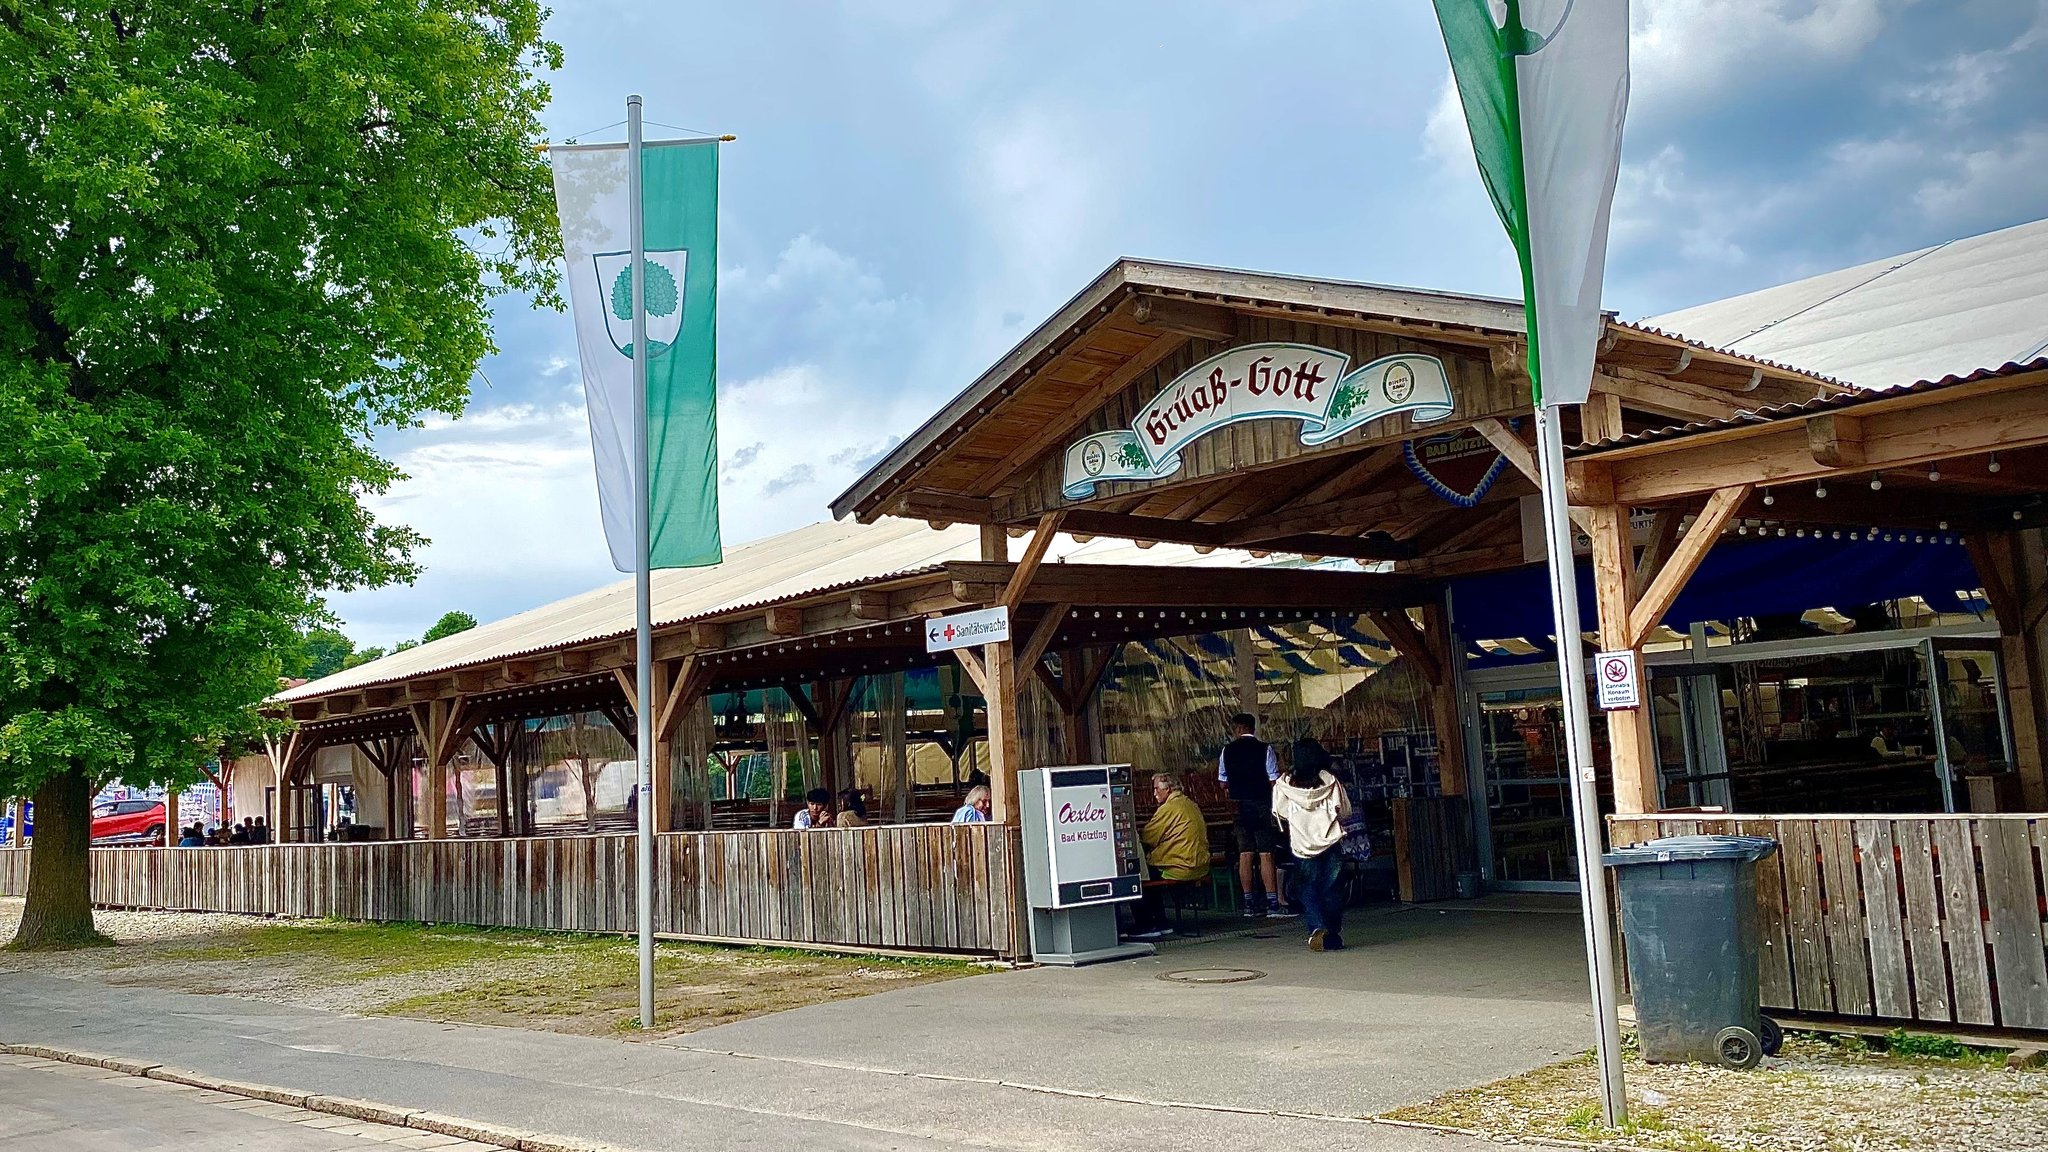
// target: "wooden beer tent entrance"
[[1041, 439]]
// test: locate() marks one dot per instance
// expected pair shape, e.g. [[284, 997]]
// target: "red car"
[[128, 822]]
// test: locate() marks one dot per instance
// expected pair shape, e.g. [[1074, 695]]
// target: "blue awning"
[[1741, 578]]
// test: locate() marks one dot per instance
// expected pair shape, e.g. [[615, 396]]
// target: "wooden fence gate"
[[1909, 918], [926, 888]]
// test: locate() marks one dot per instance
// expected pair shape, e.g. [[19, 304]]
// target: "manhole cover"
[[1213, 975]]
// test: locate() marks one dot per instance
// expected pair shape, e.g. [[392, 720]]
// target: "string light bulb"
[[1820, 490], [1876, 483], [1933, 473], [1995, 465], [1769, 499]]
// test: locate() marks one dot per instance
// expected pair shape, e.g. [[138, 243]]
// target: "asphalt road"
[[53, 1107]]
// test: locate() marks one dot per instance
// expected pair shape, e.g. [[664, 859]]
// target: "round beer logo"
[[1093, 458], [1399, 383]]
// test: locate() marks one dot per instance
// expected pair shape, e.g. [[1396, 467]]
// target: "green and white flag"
[[1545, 88], [679, 192]]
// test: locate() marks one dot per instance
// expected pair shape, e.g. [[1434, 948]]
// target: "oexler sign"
[[1081, 834]]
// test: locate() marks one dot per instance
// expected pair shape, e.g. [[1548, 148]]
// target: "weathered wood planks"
[[1927, 918], [940, 888]]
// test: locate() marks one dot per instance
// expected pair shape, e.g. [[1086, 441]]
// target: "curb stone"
[[366, 1110]]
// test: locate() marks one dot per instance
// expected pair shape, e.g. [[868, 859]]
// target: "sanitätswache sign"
[[1258, 382]]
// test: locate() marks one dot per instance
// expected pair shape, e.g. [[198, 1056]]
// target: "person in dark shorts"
[[1247, 769]]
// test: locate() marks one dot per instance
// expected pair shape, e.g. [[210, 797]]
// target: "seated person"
[[1176, 841], [853, 811], [193, 836], [1886, 743], [817, 811], [240, 835], [976, 809]]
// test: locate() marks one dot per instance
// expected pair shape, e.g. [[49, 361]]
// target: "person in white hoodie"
[[1312, 804]]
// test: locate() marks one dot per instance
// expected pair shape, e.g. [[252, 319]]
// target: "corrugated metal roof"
[[818, 558], [1953, 308], [1775, 412]]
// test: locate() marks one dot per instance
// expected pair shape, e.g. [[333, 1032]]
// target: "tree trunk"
[[58, 912]]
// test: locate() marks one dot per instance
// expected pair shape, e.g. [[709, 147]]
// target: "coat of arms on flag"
[[665, 282]]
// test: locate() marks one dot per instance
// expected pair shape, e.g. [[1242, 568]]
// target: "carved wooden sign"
[[1275, 381]]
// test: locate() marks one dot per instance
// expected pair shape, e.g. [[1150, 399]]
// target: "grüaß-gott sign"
[[1258, 382]]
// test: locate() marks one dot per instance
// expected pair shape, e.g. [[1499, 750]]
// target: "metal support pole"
[[1578, 723], [643, 656]]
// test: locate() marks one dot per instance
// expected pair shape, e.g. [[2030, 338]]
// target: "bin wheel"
[[1738, 1048], [1773, 1037]]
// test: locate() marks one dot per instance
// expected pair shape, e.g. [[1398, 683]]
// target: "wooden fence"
[[927, 888], [1929, 918]]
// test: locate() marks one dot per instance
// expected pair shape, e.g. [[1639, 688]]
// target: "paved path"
[[1104, 1058], [54, 1107]]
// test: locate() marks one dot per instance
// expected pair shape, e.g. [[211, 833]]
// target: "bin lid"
[[1681, 849]]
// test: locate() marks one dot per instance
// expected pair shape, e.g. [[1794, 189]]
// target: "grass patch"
[[1925, 1093]]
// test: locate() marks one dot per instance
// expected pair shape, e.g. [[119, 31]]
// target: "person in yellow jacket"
[[1176, 841]]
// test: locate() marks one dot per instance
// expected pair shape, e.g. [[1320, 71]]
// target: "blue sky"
[[917, 183]]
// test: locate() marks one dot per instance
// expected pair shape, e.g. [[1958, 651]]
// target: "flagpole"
[[1578, 724], [1594, 921], [643, 632]]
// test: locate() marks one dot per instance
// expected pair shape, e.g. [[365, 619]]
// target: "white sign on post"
[[967, 629], [1619, 678]]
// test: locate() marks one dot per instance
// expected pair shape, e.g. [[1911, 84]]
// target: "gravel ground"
[[1815, 1097]]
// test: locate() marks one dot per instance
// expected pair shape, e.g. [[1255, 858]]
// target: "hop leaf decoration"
[[1345, 402], [1131, 456], [661, 291]]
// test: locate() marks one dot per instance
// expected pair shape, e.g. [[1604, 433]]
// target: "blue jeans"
[[1315, 885]]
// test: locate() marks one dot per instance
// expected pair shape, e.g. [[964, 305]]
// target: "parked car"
[[128, 822]]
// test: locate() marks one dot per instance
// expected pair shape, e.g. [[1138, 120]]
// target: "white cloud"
[[1988, 183], [1691, 52]]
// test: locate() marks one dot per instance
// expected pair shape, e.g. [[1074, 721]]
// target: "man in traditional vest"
[[1248, 768]]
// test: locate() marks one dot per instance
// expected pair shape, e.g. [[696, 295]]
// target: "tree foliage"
[[448, 625], [235, 240]]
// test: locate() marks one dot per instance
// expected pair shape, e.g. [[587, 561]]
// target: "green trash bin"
[[1688, 914]]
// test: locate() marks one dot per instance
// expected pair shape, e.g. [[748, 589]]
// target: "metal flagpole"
[[1578, 723], [643, 632]]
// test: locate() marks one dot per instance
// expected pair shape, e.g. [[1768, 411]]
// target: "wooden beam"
[[1020, 579], [1600, 417], [1521, 458], [1650, 392], [1908, 430], [869, 604], [785, 620], [706, 635], [1663, 537], [1055, 432], [1835, 440], [977, 671], [1107, 585], [1408, 640], [945, 506], [800, 699], [1707, 527], [1041, 637], [1187, 317]]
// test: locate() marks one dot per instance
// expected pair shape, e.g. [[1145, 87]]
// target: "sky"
[[918, 183]]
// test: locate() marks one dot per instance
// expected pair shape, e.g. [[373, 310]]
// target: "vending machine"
[[1081, 859]]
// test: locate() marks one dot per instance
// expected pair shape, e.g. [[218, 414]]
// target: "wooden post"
[[2019, 601], [663, 754], [441, 727], [1444, 704], [1631, 743], [171, 831], [999, 688], [1632, 603], [892, 706]]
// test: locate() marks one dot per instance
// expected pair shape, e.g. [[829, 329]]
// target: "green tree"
[[235, 240], [448, 625], [320, 651]]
